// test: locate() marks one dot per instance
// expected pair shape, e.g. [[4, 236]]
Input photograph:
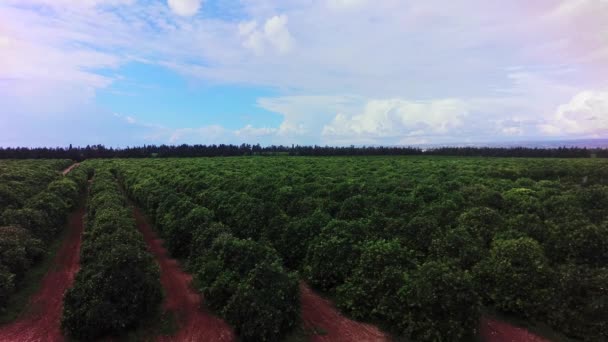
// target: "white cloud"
[[185, 8], [585, 115], [396, 58], [511, 131], [346, 4], [396, 117], [252, 132], [275, 34]]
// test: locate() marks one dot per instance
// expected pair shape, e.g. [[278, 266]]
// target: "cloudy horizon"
[[326, 72]]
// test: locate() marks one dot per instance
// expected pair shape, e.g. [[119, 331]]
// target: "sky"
[[326, 72]]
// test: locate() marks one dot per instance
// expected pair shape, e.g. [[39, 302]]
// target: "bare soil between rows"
[[41, 320], [72, 167], [194, 324], [492, 330], [319, 315]]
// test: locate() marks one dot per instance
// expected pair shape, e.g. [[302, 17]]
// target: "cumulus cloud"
[[274, 33], [185, 8], [585, 115], [396, 117]]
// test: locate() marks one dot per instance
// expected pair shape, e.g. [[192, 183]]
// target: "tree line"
[[229, 150]]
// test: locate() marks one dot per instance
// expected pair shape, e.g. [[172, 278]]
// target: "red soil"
[[320, 316], [41, 320], [497, 331], [66, 171], [180, 298]]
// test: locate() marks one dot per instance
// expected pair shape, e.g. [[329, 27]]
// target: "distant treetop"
[[182, 151]]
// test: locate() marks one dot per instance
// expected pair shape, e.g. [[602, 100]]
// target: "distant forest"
[[182, 151]]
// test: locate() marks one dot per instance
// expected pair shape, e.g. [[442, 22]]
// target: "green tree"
[[439, 304], [371, 289], [515, 277], [332, 254]]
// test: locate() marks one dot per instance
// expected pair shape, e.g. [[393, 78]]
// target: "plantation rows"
[[420, 245], [34, 202], [118, 284]]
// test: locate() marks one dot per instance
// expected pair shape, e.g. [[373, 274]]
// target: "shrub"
[[112, 294], [579, 304], [243, 281], [376, 280], [35, 221], [265, 305], [118, 285], [439, 304], [18, 250], [515, 277], [332, 254]]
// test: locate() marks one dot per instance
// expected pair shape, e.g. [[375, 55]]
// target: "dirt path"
[[66, 171], [41, 320], [194, 324], [497, 331], [318, 314]]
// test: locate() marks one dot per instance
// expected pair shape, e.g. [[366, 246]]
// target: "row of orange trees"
[[242, 279], [118, 285], [34, 202], [420, 245]]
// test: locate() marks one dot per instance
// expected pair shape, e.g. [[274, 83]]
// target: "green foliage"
[[482, 222], [333, 253], [34, 202], [33, 220], [371, 289], [578, 241], [515, 277], [118, 285], [579, 304], [18, 250], [440, 304], [460, 245], [329, 217], [112, 294], [54, 206], [265, 305], [243, 281], [293, 239]]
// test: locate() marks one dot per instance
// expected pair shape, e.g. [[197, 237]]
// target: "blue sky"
[[394, 72]]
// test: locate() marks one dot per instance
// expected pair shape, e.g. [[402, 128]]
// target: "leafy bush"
[[515, 277], [33, 220], [439, 304], [579, 304], [332, 254], [118, 285], [265, 305], [376, 280], [18, 250], [112, 294], [243, 281]]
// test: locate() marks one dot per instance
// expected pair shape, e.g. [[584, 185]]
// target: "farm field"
[[35, 199], [418, 245], [333, 249]]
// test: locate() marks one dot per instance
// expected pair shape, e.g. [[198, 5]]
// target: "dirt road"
[[41, 320], [496, 331], [193, 323], [66, 171], [320, 316]]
